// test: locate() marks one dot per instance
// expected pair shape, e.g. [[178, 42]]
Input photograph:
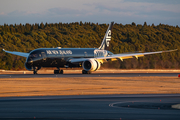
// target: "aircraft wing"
[[119, 56], [17, 53]]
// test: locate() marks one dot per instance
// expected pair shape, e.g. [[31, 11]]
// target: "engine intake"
[[91, 65]]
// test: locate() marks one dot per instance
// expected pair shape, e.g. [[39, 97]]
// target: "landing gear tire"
[[58, 71], [35, 69], [86, 72], [61, 71], [35, 72]]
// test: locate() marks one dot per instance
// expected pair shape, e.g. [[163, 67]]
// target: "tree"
[[145, 24], [125, 38]]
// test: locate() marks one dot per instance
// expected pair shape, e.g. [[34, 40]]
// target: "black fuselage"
[[59, 57]]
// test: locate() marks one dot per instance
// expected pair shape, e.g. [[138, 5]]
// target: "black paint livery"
[[90, 59]]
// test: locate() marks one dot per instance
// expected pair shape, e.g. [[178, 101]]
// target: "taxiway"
[[120, 107], [88, 75]]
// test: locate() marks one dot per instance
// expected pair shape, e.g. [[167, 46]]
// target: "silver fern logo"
[[108, 38]]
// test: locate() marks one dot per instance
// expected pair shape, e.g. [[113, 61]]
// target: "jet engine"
[[91, 65]]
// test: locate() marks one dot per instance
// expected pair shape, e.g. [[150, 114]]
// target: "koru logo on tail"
[[108, 38]]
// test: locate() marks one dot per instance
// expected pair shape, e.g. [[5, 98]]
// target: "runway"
[[120, 107], [87, 75]]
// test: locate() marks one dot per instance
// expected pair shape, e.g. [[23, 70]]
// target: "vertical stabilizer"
[[107, 38]]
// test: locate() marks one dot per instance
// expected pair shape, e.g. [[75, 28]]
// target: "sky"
[[96, 11]]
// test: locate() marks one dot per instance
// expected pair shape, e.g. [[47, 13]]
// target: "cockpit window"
[[33, 55]]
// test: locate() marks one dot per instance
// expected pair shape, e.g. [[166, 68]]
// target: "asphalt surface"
[[120, 107], [88, 75]]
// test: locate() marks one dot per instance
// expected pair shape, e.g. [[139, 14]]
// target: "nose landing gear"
[[35, 70]]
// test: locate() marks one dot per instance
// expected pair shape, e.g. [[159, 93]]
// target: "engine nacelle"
[[28, 66], [91, 65]]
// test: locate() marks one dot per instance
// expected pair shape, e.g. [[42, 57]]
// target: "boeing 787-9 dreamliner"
[[90, 59]]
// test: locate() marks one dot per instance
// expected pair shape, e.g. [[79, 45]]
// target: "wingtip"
[[174, 50], [170, 50]]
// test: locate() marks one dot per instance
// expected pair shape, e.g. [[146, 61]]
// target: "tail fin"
[[107, 38]]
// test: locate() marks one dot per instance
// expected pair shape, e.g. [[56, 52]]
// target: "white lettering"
[[48, 52], [61, 52], [65, 52], [55, 52], [100, 52], [108, 38]]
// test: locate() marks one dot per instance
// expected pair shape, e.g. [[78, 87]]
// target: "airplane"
[[90, 59]]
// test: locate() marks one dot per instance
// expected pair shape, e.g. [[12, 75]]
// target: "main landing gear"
[[61, 71], [58, 71], [86, 72], [35, 69]]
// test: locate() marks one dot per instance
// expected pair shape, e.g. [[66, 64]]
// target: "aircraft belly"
[[50, 62]]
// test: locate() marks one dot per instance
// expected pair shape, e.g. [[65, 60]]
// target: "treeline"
[[125, 38]]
